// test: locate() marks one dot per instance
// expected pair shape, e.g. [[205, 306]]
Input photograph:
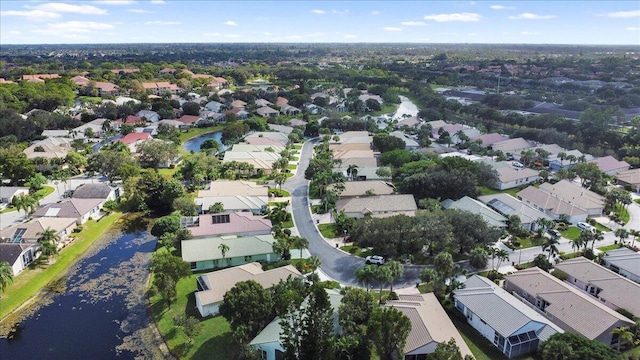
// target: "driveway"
[[336, 264]]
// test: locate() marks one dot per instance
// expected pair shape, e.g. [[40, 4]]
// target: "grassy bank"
[[214, 339], [27, 285]]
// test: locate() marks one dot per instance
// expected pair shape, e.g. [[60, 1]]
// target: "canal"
[[98, 310], [194, 144]]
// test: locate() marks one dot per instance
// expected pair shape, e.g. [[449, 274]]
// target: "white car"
[[584, 226], [517, 164], [374, 259]]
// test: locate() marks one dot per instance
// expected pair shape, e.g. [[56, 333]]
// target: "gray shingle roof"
[[92, 191]]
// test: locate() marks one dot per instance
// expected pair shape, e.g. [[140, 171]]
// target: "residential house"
[[629, 178], [234, 187], [510, 177], [365, 188], [409, 143], [430, 326], [18, 255], [266, 112], [214, 106], [612, 289], [487, 140], [103, 192], [573, 193], [234, 223], [261, 161], [551, 205], [258, 148], [55, 133], [512, 146], [97, 127], [263, 141], [133, 139], [297, 122], [281, 128], [255, 204], [556, 163], [161, 88], [212, 286], [378, 205], [509, 324], [507, 205], [568, 307], [129, 120], [30, 231], [238, 104], [205, 253], [125, 71], [106, 88], [411, 122], [436, 124], [623, 261], [490, 216], [151, 116], [290, 110], [40, 77], [267, 342], [190, 119], [7, 193], [610, 165], [365, 173], [263, 102], [82, 210], [283, 138], [49, 148], [281, 101], [359, 162]]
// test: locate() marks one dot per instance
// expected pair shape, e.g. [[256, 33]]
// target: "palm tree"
[[623, 234], [48, 240], [572, 159], [635, 234], [224, 248], [396, 269], [25, 202], [501, 255], [315, 263], [624, 335], [366, 275], [562, 155], [300, 243], [383, 276], [550, 244], [6, 275], [352, 171], [577, 243]]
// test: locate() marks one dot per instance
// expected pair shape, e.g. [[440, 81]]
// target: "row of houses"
[[533, 305], [19, 243]]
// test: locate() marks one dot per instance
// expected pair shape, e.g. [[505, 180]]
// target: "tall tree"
[[316, 340], [300, 243], [396, 270], [388, 329], [167, 270], [48, 240], [6, 275], [224, 248], [247, 307]]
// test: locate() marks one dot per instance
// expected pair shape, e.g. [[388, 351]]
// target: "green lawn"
[[571, 233], [26, 285], [602, 227], [167, 173], [194, 132], [214, 340], [530, 241], [481, 348], [287, 224], [609, 247], [328, 230], [292, 166], [488, 191]]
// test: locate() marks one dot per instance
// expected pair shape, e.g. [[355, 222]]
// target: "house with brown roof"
[[365, 188], [133, 139], [378, 206], [568, 307], [40, 77], [125, 71], [629, 178], [430, 325], [623, 261], [612, 289], [508, 323], [412, 122], [551, 205], [512, 146], [190, 119], [489, 139], [212, 286], [233, 223], [80, 209], [266, 112], [30, 231], [572, 193], [51, 147], [610, 165]]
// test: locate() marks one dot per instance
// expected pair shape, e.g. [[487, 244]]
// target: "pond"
[[194, 144], [406, 108], [99, 312]]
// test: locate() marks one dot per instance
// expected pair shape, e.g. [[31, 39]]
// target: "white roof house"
[[490, 216], [625, 262], [378, 206], [205, 253]]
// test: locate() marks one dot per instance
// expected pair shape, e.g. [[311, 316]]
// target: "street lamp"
[[345, 235]]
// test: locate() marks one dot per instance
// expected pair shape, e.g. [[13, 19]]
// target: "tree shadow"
[[217, 347], [135, 223], [190, 306]]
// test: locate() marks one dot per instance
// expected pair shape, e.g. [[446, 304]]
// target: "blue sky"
[[531, 22]]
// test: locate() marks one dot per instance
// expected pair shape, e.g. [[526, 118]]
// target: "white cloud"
[[413, 23], [316, 34], [69, 8], [531, 16], [350, 36], [464, 17], [157, 2], [340, 12], [115, 2], [319, 12], [230, 23], [376, 12], [72, 29], [35, 15], [623, 14], [162, 23], [267, 33], [140, 11], [472, 34], [634, 28], [501, 7], [392, 29]]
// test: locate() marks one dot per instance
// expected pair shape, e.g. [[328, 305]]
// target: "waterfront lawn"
[[196, 131], [214, 336], [26, 285]]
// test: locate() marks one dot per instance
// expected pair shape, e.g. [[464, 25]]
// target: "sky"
[[158, 21]]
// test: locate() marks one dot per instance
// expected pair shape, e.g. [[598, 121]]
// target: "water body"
[[102, 312], [406, 108], [194, 144]]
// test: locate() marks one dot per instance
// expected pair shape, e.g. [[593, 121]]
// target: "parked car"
[[555, 233], [374, 259], [584, 226], [517, 164]]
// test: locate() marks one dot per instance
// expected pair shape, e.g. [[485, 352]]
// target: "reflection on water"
[[102, 313], [194, 144]]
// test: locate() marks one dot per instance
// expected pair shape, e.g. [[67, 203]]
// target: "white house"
[[623, 261], [18, 255]]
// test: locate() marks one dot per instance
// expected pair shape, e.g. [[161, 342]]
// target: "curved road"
[[337, 264]]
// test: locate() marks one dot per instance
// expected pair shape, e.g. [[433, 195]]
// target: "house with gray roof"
[[30, 231], [490, 216], [430, 325], [7, 193], [97, 191], [212, 286], [489, 139], [266, 112], [613, 290], [365, 188], [412, 122], [507, 205], [283, 138], [232, 203], [551, 205], [575, 194], [623, 261], [18, 255], [508, 323], [510, 177], [610, 165], [378, 206], [409, 143], [629, 178], [82, 210], [512, 146], [567, 306], [268, 340], [205, 253], [555, 163]]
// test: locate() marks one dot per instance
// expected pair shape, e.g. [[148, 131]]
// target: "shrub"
[[393, 296], [77, 229], [560, 274]]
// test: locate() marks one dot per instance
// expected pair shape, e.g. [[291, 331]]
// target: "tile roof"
[[36, 226], [70, 208], [512, 145], [134, 137], [222, 281], [10, 252], [609, 163], [189, 119], [239, 223], [360, 188], [92, 191], [269, 134], [567, 304], [548, 202], [507, 205], [509, 174], [574, 194], [378, 204], [9, 191], [625, 259], [490, 216], [234, 202], [629, 176], [234, 187], [239, 246]]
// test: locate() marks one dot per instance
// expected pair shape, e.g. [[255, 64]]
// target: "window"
[[193, 265], [220, 219]]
